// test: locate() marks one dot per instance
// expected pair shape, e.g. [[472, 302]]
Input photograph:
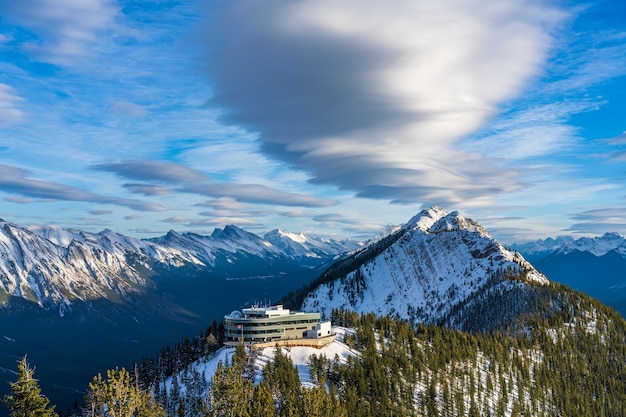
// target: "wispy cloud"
[[10, 102], [600, 220], [221, 221], [148, 189], [127, 108], [223, 203], [257, 193], [187, 180], [18, 199], [536, 130], [618, 140], [16, 180], [99, 212], [167, 172]]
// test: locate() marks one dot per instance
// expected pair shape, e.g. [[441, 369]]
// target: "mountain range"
[[57, 268], [79, 303], [594, 265]]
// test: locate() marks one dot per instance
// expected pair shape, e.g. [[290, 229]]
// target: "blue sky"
[[332, 117]]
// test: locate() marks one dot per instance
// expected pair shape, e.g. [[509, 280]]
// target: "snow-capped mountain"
[[87, 267], [300, 246], [595, 265], [437, 268], [55, 267], [597, 246]]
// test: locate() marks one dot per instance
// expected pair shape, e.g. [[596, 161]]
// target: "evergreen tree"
[[119, 396], [25, 399], [231, 393], [262, 402]]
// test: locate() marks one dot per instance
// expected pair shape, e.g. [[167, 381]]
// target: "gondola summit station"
[[271, 325]]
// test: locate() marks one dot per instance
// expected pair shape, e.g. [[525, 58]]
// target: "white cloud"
[[65, 28], [538, 130], [18, 181], [10, 112], [375, 99]]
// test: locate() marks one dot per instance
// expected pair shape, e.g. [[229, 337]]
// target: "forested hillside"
[[566, 358]]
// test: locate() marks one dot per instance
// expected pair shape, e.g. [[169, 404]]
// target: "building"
[[275, 324]]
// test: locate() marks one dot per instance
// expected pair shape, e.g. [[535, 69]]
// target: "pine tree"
[[25, 399], [231, 393], [263, 403], [119, 396]]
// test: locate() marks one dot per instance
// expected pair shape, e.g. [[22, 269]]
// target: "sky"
[[331, 117]]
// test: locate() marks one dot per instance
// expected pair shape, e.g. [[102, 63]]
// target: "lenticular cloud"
[[373, 96]]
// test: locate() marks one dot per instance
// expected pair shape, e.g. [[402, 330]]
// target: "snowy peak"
[[302, 246], [426, 218], [432, 270], [278, 235], [437, 220], [56, 235], [456, 222], [596, 245]]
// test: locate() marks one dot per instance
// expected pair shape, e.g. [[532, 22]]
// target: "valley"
[[79, 303]]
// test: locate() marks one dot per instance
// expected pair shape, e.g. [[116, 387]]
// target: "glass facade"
[[267, 324]]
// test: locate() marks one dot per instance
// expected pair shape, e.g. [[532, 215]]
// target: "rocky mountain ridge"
[[437, 268], [55, 268]]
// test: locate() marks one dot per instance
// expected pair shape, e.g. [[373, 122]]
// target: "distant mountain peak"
[[278, 233], [230, 231], [597, 246]]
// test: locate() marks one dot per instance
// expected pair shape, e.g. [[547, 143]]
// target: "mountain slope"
[[531, 347], [568, 359], [435, 269]]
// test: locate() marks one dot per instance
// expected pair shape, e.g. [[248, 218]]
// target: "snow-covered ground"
[[298, 354]]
